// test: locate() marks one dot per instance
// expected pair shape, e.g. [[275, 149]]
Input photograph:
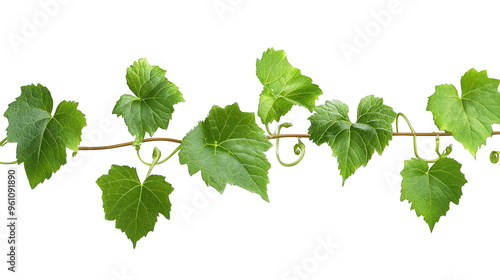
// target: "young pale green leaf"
[[353, 143], [228, 147], [134, 205], [41, 138], [152, 105], [430, 191], [284, 86], [468, 117]]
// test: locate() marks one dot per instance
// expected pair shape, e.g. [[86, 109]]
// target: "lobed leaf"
[[41, 138], [284, 87], [430, 190], [353, 143], [152, 105], [134, 205], [468, 117], [228, 148]]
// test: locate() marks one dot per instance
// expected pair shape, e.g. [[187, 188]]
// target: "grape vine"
[[229, 147]]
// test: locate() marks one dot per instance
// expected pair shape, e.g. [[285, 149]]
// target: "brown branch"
[[127, 144], [394, 134], [81, 148], [269, 137], [431, 133]]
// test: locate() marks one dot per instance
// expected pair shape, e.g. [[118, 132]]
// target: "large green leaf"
[[468, 117], [430, 191], [284, 86], [353, 143], [134, 205], [228, 147], [41, 138], [152, 104]]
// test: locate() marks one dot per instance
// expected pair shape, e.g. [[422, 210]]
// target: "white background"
[[81, 53]]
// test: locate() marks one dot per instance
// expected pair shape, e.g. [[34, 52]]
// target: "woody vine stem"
[[494, 157], [277, 136]]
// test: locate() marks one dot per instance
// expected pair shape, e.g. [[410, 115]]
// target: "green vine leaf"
[[353, 143], [468, 117], [228, 147], [284, 86], [41, 138], [134, 205], [152, 105], [430, 191]]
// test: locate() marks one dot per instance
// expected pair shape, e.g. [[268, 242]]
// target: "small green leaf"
[[134, 205], [430, 191], [41, 138], [228, 147], [469, 117], [153, 104], [353, 143], [284, 86]]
